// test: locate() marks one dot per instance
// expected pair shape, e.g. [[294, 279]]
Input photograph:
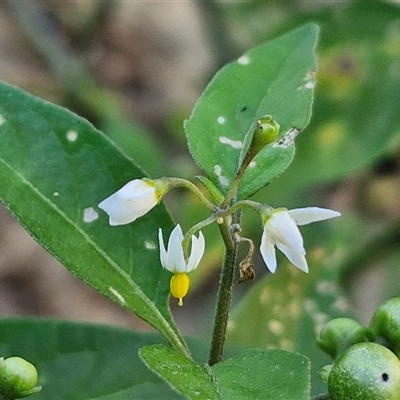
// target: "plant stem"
[[224, 294], [179, 182]]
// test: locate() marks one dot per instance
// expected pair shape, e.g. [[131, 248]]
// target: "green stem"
[[179, 182], [185, 242], [233, 189], [224, 295]]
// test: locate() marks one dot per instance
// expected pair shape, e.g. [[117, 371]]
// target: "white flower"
[[132, 201], [280, 230], [173, 259]]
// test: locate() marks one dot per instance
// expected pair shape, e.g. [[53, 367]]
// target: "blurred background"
[[135, 70]]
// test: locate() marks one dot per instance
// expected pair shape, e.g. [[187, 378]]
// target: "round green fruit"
[[340, 333], [386, 324], [365, 371], [18, 378]]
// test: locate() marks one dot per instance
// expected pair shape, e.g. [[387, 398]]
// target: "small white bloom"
[[173, 259], [132, 201], [280, 230]]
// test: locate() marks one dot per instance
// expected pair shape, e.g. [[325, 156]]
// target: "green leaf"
[[264, 374], [83, 361], [184, 375], [291, 309], [356, 117], [54, 169], [276, 78]]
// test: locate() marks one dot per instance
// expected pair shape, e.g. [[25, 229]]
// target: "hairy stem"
[[224, 294], [179, 182]]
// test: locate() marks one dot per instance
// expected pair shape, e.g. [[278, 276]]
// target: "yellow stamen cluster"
[[179, 286]]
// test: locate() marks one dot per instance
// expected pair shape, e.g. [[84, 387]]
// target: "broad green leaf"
[[54, 169], [83, 361], [192, 380], [356, 119], [264, 375], [291, 309], [276, 78]]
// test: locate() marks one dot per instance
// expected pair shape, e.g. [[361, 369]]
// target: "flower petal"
[[132, 201], [267, 250], [282, 228], [303, 216], [175, 257], [296, 258], [163, 252], [196, 252]]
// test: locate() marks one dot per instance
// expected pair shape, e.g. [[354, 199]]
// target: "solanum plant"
[[93, 208]]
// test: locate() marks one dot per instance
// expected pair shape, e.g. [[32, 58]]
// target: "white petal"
[[175, 257], [297, 259], [132, 201], [176, 235], [267, 250], [163, 252], [196, 252], [283, 229], [303, 216]]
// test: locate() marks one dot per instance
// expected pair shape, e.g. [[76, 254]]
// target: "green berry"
[[340, 333], [365, 371], [265, 133], [386, 323], [18, 378]]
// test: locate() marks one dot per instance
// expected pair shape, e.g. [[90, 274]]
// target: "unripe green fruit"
[[386, 324], [365, 371], [18, 378], [340, 333], [265, 133]]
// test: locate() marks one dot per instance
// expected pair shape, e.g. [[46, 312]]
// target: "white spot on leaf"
[[221, 120], [150, 245], [223, 180], [309, 81], [90, 215], [236, 144], [56, 194], [72, 135], [244, 60], [288, 139], [117, 295], [309, 85], [2, 120], [252, 164]]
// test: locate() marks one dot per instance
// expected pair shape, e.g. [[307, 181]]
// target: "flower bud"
[[340, 333], [386, 324], [133, 200], [365, 371], [18, 378]]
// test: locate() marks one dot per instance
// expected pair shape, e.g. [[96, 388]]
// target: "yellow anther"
[[179, 286]]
